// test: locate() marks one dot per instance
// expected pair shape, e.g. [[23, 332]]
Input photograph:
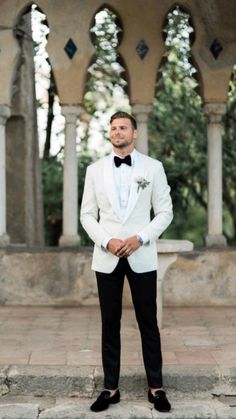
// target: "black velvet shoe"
[[160, 401], [103, 401]]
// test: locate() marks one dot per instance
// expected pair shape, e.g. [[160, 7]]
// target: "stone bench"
[[167, 252]]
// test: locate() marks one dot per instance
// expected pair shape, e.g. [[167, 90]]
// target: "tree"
[[229, 159], [105, 86], [178, 132]]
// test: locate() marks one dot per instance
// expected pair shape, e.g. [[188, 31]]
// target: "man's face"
[[122, 133]]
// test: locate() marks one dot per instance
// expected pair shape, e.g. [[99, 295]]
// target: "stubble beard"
[[123, 145], [120, 146]]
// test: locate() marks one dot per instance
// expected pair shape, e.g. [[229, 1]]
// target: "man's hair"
[[121, 114]]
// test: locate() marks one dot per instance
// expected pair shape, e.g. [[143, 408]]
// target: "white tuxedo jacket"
[[100, 214]]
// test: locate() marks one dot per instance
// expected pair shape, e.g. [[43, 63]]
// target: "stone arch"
[[21, 11], [142, 48], [70, 72]]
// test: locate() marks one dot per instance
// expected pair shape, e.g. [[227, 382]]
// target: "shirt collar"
[[132, 155]]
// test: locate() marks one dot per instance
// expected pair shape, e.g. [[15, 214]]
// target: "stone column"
[[141, 113], [70, 235], [4, 114], [214, 113]]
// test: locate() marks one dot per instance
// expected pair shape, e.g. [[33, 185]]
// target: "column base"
[[215, 240], [69, 241], [4, 240]]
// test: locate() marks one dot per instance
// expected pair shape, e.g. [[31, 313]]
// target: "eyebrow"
[[119, 126]]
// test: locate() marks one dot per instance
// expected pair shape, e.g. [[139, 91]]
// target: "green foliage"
[[178, 137], [229, 159], [52, 173], [178, 133], [85, 159], [105, 85]]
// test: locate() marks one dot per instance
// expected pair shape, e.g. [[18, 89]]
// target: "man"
[[119, 192]]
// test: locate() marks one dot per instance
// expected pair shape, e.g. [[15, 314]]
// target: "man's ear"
[[135, 134]]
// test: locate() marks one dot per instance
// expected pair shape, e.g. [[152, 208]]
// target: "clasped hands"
[[123, 248]]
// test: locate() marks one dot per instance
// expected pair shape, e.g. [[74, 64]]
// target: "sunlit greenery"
[[178, 132], [177, 129]]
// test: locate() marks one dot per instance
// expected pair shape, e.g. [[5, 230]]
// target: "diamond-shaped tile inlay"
[[216, 48], [142, 49], [70, 48]]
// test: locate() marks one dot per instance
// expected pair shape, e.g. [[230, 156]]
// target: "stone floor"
[[71, 336]]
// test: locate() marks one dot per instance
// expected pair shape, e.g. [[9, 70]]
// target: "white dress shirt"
[[122, 177]]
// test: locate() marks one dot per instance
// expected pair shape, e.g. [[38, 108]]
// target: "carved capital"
[[71, 113], [5, 112], [215, 111], [141, 112]]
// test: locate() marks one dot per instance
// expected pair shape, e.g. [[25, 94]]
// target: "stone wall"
[[58, 277], [202, 278]]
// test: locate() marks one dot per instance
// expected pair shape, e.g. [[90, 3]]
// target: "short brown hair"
[[121, 114]]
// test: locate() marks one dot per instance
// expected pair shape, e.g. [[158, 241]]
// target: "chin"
[[120, 145]]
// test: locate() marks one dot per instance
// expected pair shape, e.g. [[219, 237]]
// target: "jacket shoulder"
[[96, 165], [150, 161]]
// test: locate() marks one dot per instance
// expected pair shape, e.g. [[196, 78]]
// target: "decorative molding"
[[141, 112], [5, 113], [71, 113], [215, 111]]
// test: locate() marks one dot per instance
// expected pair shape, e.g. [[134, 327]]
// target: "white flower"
[[142, 182]]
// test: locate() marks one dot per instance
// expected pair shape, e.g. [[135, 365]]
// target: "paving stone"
[[191, 409], [226, 413], [82, 410], [42, 402], [19, 411], [188, 407]]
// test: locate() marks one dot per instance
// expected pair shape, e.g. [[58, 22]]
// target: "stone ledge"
[[67, 381], [59, 277], [174, 246], [19, 411]]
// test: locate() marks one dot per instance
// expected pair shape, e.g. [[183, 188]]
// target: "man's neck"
[[123, 152]]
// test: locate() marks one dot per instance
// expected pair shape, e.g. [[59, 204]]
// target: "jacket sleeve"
[[162, 206], [90, 212]]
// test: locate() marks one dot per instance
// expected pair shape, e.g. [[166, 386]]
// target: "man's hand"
[[114, 246], [128, 247]]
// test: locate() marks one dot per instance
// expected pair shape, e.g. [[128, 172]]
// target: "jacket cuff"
[[143, 237], [105, 243]]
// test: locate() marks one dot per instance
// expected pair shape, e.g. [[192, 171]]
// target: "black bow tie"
[[126, 160]]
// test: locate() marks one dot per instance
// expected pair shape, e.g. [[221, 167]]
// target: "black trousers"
[[143, 291]]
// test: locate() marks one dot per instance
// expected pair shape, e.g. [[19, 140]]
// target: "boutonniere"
[[142, 182]]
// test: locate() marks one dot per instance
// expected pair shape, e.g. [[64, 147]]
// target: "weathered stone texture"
[[46, 278], [65, 278], [201, 278]]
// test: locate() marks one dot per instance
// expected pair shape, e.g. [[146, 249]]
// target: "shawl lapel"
[[110, 186], [138, 171]]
